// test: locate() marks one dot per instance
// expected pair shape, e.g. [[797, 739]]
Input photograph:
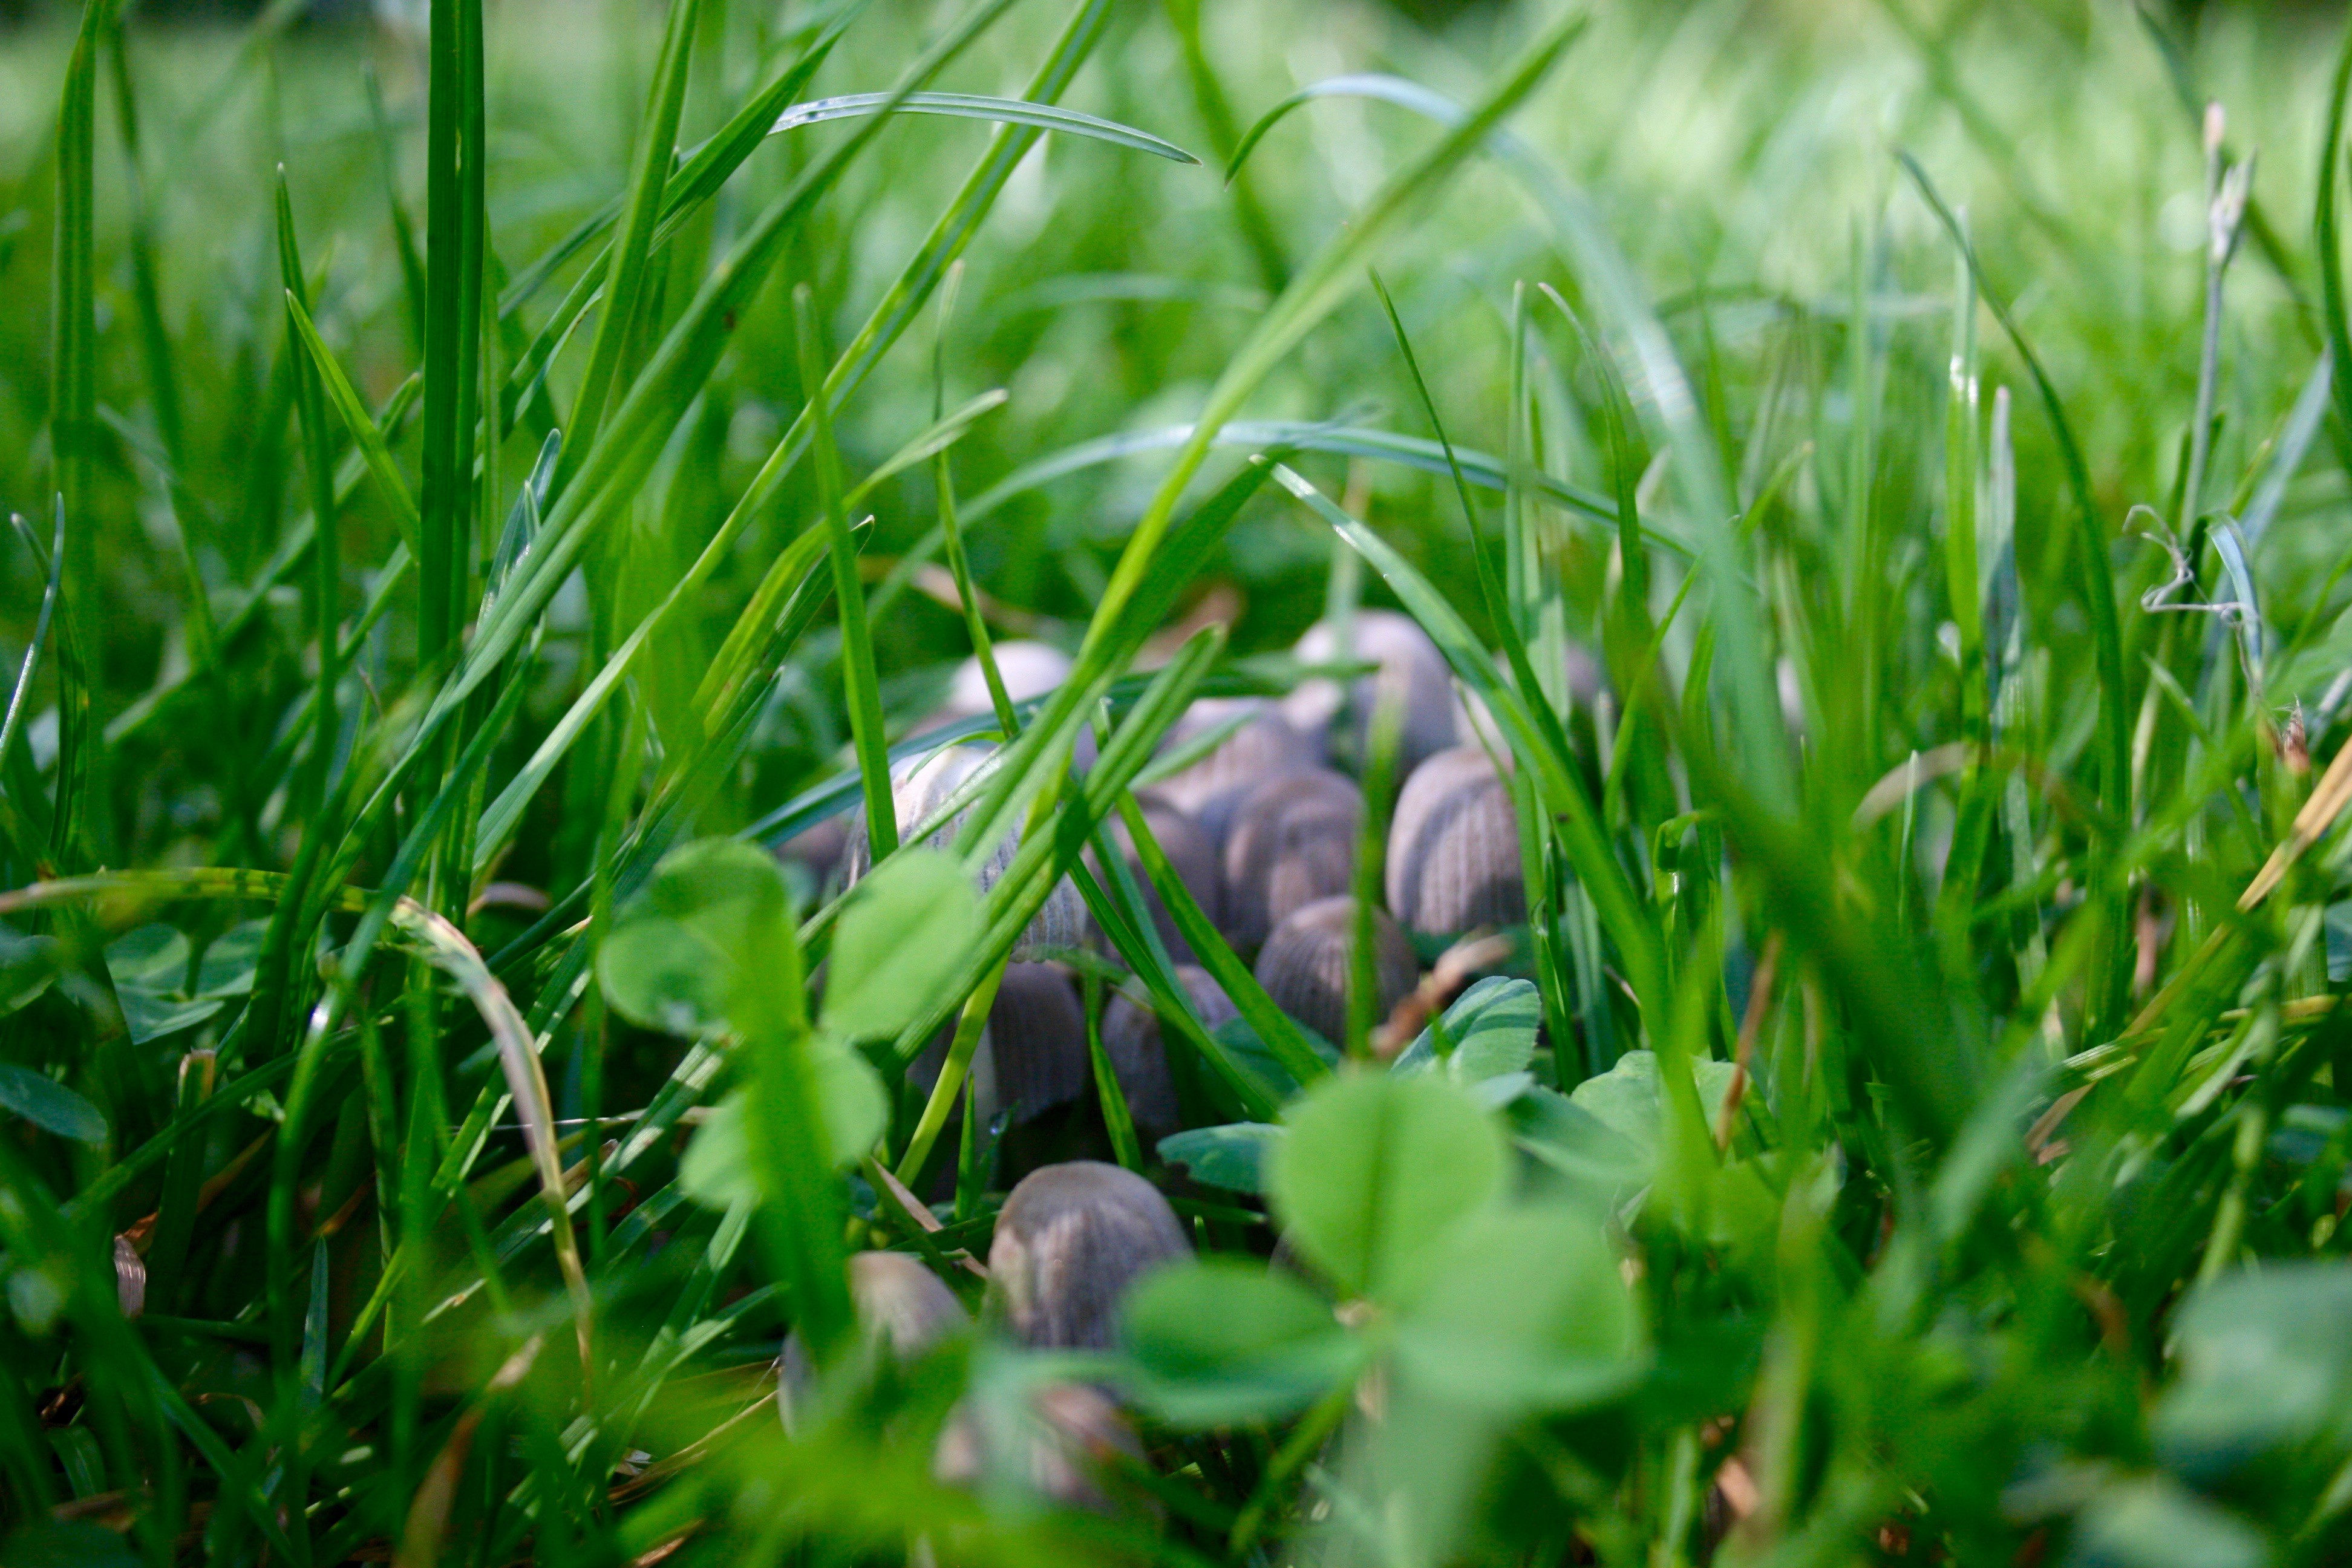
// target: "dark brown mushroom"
[[1453, 847], [1070, 1240], [1412, 673], [1131, 1040], [1305, 965], [1293, 841]]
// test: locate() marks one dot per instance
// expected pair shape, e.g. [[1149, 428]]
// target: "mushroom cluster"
[[1265, 830]]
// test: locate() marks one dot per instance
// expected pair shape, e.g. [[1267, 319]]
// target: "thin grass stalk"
[[861, 694]]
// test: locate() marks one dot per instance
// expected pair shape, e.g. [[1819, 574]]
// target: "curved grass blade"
[[974, 106], [366, 436]]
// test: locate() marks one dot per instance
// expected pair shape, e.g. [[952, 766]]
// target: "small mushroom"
[[1305, 965], [1072, 1437], [918, 793], [1032, 1055], [1453, 847], [1264, 747], [818, 848], [902, 1310], [1293, 841], [1028, 670], [1070, 1240], [1411, 673], [1189, 850], [1132, 1040]]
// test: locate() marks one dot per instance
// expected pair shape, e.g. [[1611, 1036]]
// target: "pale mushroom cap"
[[1412, 673], [1029, 669], [1453, 847], [918, 793], [1266, 747], [902, 1308], [1069, 1241], [1293, 840], [1032, 1055], [1139, 1058], [1305, 965], [1069, 1437]]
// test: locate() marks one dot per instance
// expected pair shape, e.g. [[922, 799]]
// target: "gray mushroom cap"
[[1032, 1054], [1190, 849], [1062, 1442], [1131, 1040], [1070, 1240], [1453, 847], [902, 1310], [1305, 965], [1411, 673], [1293, 841], [918, 795], [1266, 746]]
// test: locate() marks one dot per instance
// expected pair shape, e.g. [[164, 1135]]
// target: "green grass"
[[478, 489]]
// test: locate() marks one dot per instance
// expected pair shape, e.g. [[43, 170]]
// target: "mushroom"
[[1411, 673], [1027, 668], [1266, 746], [917, 795], [1189, 850], [1072, 1434], [902, 1311], [1293, 841], [818, 848], [1138, 1058], [1305, 965], [1069, 1241], [1453, 847], [1032, 1055]]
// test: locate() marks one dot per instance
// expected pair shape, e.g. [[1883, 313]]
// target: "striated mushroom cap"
[[1453, 847], [1266, 747], [918, 793], [1305, 965], [1293, 841], [1412, 673], [1070, 1240], [1132, 1040], [902, 1308], [1065, 1443], [1032, 1054], [1189, 850]]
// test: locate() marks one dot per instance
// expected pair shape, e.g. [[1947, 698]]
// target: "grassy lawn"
[[1035, 781]]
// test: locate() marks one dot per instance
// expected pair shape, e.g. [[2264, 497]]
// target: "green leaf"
[[2265, 1362], [903, 934], [2154, 1522], [1630, 1098], [50, 1105], [1377, 1168], [1493, 1028], [227, 968], [973, 106], [1599, 1161], [1248, 1051], [1231, 1156], [1225, 1340], [676, 958], [150, 1016], [1522, 1309], [150, 958], [27, 966]]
